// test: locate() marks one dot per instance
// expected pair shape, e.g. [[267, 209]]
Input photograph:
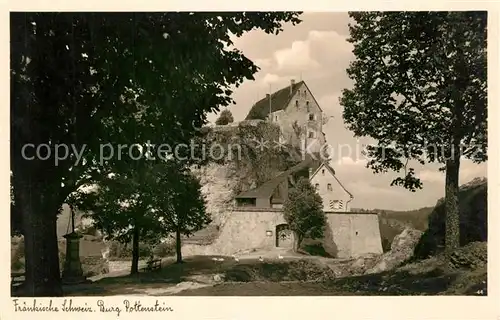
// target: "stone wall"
[[245, 230], [352, 234], [348, 234]]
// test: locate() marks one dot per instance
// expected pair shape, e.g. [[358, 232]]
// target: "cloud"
[[361, 188], [321, 48], [296, 58], [468, 171], [263, 63], [431, 176], [270, 78], [349, 161]]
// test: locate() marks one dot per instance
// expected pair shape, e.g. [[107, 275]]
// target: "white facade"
[[335, 197]]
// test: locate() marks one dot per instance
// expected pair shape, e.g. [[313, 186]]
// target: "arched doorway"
[[284, 236]]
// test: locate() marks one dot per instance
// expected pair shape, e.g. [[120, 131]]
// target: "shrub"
[[300, 270], [119, 250], [164, 249], [316, 249], [473, 198], [471, 256]]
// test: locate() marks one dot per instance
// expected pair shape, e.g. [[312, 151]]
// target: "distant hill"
[[392, 223], [473, 207]]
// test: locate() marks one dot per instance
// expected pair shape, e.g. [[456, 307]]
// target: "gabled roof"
[[279, 100], [267, 188], [332, 171]]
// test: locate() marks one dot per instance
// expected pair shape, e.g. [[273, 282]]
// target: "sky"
[[317, 52]]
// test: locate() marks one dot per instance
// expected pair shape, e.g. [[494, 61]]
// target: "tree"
[[119, 207], [146, 204], [303, 211], [420, 93], [225, 117], [182, 205], [82, 80]]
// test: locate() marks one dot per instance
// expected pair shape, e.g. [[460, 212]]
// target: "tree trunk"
[[297, 243], [178, 246], [43, 275], [452, 209], [135, 251]]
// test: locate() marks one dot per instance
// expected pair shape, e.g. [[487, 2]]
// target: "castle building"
[[257, 221], [297, 113]]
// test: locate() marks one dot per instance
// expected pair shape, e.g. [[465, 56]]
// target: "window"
[[275, 118], [307, 103], [297, 103], [323, 172], [334, 204], [311, 134], [329, 187], [316, 186], [311, 117]]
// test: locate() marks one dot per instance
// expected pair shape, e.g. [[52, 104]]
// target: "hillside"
[[245, 165], [473, 206], [473, 198]]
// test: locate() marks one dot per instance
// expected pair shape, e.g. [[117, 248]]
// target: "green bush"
[[119, 250], [471, 256], [164, 249], [316, 249], [300, 270]]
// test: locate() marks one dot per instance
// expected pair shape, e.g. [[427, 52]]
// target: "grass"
[[289, 278]]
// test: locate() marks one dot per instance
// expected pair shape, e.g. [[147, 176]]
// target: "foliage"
[[427, 72], [225, 117], [420, 91], [472, 256], [316, 249], [303, 211], [243, 154], [164, 249], [146, 204], [473, 199], [300, 270], [87, 79], [181, 205], [119, 250]]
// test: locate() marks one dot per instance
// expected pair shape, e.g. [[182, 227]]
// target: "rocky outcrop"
[[473, 198], [472, 256], [402, 248], [401, 251]]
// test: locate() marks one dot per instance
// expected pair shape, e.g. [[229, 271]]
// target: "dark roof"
[[279, 101], [267, 188]]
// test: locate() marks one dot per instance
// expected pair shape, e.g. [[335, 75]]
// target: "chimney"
[[292, 83]]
